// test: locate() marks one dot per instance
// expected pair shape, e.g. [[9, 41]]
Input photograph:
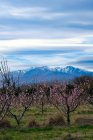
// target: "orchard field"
[[46, 132], [45, 111]]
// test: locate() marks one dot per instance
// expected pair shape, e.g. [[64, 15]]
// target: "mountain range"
[[47, 74]]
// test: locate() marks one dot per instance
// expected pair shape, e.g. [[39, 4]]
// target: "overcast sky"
[[47, 33]]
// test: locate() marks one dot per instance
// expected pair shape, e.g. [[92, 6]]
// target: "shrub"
[[33, 123], [5, 124], [6, 137], [84, 121], [56, 121], [69, 137]]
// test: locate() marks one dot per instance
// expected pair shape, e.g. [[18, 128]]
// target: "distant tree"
[[6, 89], [21, 102], [86, 83], [82, 80], [43, 94], [66, 98], [14, 98]]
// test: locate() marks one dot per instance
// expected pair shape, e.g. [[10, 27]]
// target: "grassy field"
[[45, 132]]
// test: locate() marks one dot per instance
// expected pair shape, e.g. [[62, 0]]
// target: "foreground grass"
[[49, 133]]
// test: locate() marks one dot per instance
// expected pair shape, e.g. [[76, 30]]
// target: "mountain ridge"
[[47, 74]]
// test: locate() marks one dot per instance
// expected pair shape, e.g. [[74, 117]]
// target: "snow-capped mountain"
[[47, 74], [70, 69], [42, 74]]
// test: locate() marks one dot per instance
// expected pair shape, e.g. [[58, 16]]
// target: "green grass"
[[48, 133], [55, 133]]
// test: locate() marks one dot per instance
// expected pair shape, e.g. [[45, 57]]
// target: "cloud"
[[20, 62], [44, 19], [6, 45], [85, 61], [22, 59], [30, 12], [47, 44], [62, 4], [56, 32]]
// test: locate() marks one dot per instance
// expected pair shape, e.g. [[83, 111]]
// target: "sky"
[[46, 33]]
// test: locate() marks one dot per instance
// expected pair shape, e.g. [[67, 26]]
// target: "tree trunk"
[[68, 116], [17, 121], [42, 108]]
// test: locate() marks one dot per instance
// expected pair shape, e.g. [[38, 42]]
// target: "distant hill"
[[47, 74]]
